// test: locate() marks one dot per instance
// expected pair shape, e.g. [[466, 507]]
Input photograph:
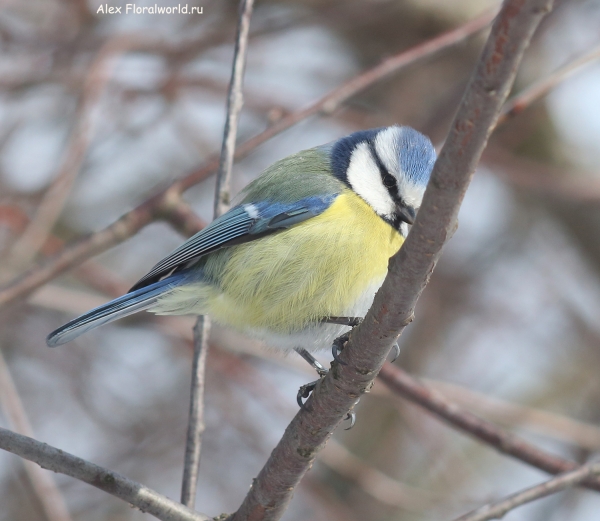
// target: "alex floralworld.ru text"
[[155, 9]]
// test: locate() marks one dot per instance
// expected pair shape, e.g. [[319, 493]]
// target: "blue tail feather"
[[128, 304]]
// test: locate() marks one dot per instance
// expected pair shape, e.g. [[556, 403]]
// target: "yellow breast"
[[319, 268]]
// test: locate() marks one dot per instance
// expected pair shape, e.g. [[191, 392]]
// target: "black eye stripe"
[[388, 180]]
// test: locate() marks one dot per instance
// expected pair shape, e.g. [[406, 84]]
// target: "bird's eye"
[[389, 181]]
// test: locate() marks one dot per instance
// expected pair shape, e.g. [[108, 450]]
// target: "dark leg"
[[314, 363], [343, 321], [306, 389]]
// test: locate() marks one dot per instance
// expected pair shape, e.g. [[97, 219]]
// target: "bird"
[[298, 258]]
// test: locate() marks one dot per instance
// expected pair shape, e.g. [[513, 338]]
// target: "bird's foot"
[[338, 343], [305, 391], [338, 346]]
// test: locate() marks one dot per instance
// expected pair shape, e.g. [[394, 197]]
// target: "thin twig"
[[409, 269], [235, 100], [137, 495], [552, 425], [52, 501], [130, 223], [485, 431], [500, 508], [222, 198], [540, 88], [193, 445]]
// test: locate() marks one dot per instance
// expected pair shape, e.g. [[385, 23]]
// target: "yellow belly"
[[283, 282]]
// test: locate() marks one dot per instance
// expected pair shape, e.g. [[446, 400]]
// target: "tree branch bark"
[[409, 387], [500, 508], [137, 495], [409, 269]]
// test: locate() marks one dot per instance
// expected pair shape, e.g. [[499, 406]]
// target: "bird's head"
[[387, 167]]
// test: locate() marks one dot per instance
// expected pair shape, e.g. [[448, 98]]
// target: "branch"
[[137, 495], [500, 508], [409, 269], [548, 424], [540, 88], [44, 486], [485, 431], [235, 101], [196, 426], [130, 223]]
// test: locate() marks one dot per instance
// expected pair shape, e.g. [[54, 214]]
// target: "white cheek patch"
[[365, 179]]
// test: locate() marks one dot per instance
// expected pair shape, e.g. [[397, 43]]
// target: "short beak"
[[406, 214]]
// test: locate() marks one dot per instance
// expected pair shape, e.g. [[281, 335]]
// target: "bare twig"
[[44, 486], [549, 424], [130, 223], [500, 508], [193, 445], [409, 269], [222, 199], [235, 100], [540, 88], [543, 178], [137, 495], [505, 442]]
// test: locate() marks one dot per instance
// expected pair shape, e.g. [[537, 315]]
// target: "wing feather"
[[242, 223]]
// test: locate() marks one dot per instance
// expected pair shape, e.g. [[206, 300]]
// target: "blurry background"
[[509, 325]]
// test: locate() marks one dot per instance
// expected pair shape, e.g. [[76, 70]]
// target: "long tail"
[[128, 304]]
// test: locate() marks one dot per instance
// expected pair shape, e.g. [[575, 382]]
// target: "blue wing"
[[128, 304], [242, 223]]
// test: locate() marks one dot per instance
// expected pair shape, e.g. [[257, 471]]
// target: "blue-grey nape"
[[417, 155], [341, 151]]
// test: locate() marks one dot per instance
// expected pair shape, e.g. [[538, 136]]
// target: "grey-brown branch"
[[137, 495], [409, 270]]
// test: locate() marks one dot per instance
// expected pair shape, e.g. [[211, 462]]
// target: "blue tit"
[[309, 239]]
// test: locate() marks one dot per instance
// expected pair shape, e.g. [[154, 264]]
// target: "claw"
[[395, 352], [338, 346], [304, 392], [352, 417]]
